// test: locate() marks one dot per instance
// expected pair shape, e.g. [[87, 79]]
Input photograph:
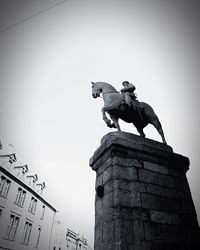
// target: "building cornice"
[[14, 178]]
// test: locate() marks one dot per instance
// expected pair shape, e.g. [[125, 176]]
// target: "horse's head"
[[96, 89], [102, 87]]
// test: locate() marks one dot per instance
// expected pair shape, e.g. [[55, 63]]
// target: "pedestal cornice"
[[130, 145]]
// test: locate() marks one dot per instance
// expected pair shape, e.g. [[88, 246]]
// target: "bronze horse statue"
[[140, 114]]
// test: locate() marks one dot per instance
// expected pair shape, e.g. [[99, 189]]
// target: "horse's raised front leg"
[[115, 122], [105, 118]]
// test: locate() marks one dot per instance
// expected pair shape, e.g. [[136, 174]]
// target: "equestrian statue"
[[125, 106]]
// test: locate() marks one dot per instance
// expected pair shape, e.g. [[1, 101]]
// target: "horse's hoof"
[[113, 125], [108, 123]]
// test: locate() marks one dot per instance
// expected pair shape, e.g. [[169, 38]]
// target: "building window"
[[21, 194], [12, 227], [33, 205], [27, 232], [54, 248], [4, 186], [38, 237], [1, 212], [43, 211]]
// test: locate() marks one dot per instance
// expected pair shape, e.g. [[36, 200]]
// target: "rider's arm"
[[130, 88]]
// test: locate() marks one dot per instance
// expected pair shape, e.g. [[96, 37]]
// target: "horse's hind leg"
[[141, 132], [158, 126]]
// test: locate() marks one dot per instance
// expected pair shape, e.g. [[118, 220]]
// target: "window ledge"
[[25, 244], [5, 238], [31, 212], [5, 197], [18, 204]]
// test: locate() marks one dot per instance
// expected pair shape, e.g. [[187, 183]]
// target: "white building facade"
[[75, 241], [66, 239], [26, 218]]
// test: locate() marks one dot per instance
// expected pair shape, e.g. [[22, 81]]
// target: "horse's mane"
[[108, 86]]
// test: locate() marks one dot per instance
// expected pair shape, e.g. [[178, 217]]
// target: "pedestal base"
[[143, 201]]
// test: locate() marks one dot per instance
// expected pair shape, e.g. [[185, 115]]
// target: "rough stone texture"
[[164, 218], [146, 203]]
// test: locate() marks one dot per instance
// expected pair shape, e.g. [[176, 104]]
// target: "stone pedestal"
[[143, 201]]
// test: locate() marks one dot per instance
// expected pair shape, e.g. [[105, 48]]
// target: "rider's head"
[[125, 83]]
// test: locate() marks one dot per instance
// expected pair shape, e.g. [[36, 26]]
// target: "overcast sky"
[[48, 62]]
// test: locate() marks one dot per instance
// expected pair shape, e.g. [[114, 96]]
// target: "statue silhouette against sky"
[[128, 91], [125, 106]]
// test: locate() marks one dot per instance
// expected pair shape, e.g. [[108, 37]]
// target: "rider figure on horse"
[[128, 91]]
